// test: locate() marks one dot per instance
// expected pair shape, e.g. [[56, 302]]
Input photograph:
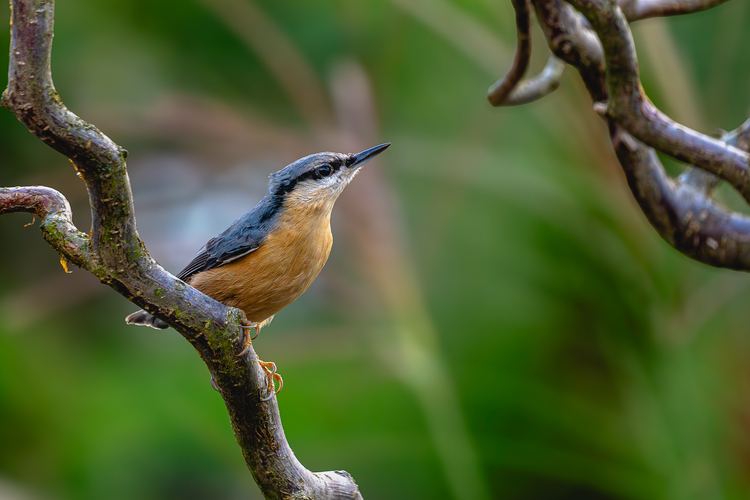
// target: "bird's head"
[[316, 181]]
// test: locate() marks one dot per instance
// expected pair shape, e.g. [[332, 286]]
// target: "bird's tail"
[[145, 319]]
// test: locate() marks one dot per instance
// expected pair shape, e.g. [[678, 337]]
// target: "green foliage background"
[[551, 347]]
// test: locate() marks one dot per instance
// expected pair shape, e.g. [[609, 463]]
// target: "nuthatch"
[[268, 257]]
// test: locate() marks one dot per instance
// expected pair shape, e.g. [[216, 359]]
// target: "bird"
[[268, 257]]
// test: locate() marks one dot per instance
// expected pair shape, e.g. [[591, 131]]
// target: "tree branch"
[[533, 89], [629, 106], [700, 179], [499, 92], [681, 210], [57, 219], [635, 10], [510, 90], [115, 254], [571, 39]]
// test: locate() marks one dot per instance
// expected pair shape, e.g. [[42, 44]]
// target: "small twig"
[[501, 89], [705, 181], [635, 10], [541, 85]]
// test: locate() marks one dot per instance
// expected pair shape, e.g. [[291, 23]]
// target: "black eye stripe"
[[320, 171], [314, 174]]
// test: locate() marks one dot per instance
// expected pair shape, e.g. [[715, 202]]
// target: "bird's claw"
[[247, 326], [273, 377]]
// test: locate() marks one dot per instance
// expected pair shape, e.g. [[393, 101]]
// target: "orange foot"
[[247, 327], [270, 368]]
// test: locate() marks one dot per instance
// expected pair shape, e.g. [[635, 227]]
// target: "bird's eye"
[[324, 171]]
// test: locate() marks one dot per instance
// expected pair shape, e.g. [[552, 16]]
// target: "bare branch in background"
[[510, 90], [500, 91], [533, 89], [570, 38], [597, 41], [682, 211], [629, 106], [635, 10], [115, 254]]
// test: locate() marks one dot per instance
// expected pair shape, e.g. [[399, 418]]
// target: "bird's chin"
[[350, 174]]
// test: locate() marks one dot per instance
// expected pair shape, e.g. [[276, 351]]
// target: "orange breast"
[[277, 273]]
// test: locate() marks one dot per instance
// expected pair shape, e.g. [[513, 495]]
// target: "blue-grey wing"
[[242, 238], [231, 245]]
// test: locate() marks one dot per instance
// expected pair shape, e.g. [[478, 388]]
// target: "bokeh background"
[[497, 319]]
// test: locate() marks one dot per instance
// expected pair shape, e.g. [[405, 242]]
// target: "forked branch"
[[116, 255], [595, 38], [629, 106]]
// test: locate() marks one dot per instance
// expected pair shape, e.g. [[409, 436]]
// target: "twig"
[[115, 254], [511, 90], [706, 182], [635, 10], [499, 92], [541, 85]]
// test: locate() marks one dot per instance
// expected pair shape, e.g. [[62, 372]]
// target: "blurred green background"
[[496, 320]]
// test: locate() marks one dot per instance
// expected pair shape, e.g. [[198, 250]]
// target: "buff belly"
[[273, 276]]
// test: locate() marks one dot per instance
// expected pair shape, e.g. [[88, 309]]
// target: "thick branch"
[[570, 38], [700, 179], [685, 216], [32, 97], [119, 259], [635, 10], [629, 106], [681, 210]]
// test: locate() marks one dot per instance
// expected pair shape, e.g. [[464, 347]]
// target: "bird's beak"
[[361, 158]]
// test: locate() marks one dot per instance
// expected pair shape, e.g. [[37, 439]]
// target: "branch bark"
[[511, 90], [682, 210], [115, 254], [635, 10], [629, 106], [499, 92], [597, 41]]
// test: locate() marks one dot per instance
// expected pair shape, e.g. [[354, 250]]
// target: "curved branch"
[[510, 90], [700, 179], [32, 98], [682, 211], [119, 259], [571, 39], [541, 85], [683, 214], [57, 219], [629, 106], [501, 89], [635, 10]]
